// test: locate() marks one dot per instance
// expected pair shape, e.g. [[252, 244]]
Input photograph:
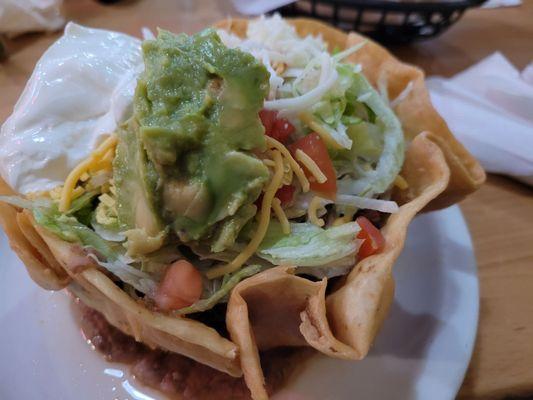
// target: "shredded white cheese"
[[308, 64], [403, 95], [385, 206]]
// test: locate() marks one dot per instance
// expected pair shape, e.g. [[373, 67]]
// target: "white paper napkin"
[[489, 108], [257, 7], [19, 16], [501, 3]]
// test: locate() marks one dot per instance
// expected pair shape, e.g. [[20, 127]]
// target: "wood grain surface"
[[500, 215]]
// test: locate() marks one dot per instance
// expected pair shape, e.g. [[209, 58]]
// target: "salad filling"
[[241, 154]]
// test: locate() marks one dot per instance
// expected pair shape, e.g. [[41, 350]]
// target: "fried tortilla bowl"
[[276, 307]]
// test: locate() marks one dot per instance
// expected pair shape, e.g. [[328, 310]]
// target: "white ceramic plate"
[[422, 351]]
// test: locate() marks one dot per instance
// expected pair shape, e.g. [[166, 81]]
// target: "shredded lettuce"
[[69, 229], [340, 55], [20, 202], [83, 202], [82, 208], [228, 282], [378, 151], [108, 232], [120, 267], [78, 205], [328, 113], [308, 245]]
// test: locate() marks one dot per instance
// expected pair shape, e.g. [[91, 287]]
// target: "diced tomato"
[[282, 130], [373, 240], [314, 147], [277, 128], [285, 194], [267, 118], [180, 287]]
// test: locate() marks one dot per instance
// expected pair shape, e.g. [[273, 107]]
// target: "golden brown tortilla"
[[344, 324], [275, 307], [40, 264]]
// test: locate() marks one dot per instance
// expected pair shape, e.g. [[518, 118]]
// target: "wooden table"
[[500, 215]]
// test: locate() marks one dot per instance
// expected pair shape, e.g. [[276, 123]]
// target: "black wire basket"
[[386, 21]]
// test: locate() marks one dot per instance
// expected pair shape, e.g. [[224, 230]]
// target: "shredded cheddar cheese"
[[308, 119], [77, 192], [264, 220], [298, 171], [400, 182], [288, 173], [84, 177], [311, 166], [280, 215], [70, 183], [75, 175], [341, 220], [105, 162], [55, 193], [269, 163], [312, 212], [107, 200]]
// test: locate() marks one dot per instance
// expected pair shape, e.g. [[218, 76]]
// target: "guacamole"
[[189, 144]]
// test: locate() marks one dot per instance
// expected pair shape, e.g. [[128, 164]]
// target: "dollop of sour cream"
[[80, 90]]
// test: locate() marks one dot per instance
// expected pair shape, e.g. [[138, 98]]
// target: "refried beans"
[[175, 375]]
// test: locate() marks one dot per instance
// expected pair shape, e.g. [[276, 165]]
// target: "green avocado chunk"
[[229, 229], [136, 182], [196, 106]]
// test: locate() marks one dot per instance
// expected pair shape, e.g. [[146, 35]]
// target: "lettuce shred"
[[308, 245], [69, 229]]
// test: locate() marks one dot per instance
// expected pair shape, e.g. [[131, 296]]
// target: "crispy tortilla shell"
[[41, 265], [276, 307], [345, 323], [180, 335]]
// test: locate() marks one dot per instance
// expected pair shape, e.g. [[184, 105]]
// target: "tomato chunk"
[[180, 287], [282, 130], [267, 118], [277, 128], [314, 147], [285, 194], [373, 240]]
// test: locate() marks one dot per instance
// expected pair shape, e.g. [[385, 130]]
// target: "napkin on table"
[[501, 3], [19, 16], [257, 7], [489, 108]]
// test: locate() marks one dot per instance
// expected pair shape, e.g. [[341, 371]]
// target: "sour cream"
[[80, 90]]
